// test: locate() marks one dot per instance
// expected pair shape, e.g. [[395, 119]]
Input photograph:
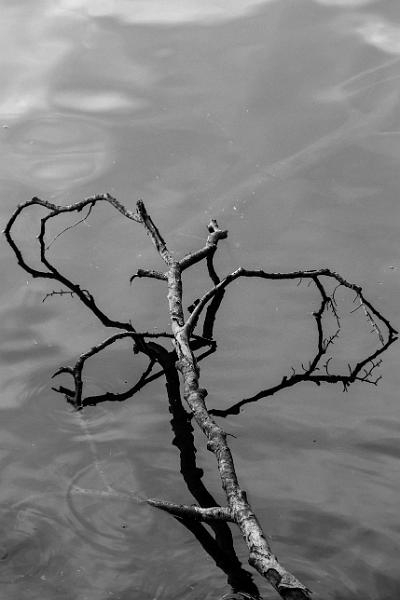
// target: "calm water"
[[282, 119]]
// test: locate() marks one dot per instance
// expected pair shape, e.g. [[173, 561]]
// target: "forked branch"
[[182, 357]]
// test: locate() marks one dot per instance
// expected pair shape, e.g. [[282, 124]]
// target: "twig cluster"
[[183, 359]]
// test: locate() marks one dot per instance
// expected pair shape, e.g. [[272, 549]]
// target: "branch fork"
[[238, 509]]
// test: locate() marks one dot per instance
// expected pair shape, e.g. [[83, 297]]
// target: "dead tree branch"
[[218, 544], [260, 555]]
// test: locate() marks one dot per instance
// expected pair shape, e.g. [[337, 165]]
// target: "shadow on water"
[[94, 462], [72, 520], [113, 523], [81, 505]]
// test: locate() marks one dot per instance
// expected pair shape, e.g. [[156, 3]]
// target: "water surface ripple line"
[[356, 127]]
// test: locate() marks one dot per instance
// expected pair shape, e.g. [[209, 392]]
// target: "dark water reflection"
[[282, 120]]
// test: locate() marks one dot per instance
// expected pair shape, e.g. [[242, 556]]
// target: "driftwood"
[[183, 359]]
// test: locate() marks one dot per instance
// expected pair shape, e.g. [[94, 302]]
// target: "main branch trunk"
[[260, 555]]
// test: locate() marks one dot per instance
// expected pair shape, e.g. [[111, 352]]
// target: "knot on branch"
[[196, 397]]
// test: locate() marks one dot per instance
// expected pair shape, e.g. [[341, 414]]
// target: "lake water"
[[282, 120]]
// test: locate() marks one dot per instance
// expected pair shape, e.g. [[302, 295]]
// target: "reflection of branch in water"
[[316, 372], [183, 359], [220, 546], [75, 396], [294, 378]]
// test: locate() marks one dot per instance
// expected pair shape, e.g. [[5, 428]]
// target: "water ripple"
[[57, 152], [27, 545]]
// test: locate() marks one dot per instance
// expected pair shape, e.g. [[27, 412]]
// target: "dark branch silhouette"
[[180, 367], [220, 545]]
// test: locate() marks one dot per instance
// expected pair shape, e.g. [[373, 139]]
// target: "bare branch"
[[318, 379], [121, 396], [83, 220], [215, 234], [76, 371], [62, 293], [260, 555], [153, 232], [150, 274], [52, 272], [185, 342], [216, 513]]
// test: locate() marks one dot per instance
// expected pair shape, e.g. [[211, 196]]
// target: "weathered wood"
[[238, 509]]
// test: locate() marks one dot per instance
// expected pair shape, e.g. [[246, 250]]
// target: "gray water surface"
[[282, 120]]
